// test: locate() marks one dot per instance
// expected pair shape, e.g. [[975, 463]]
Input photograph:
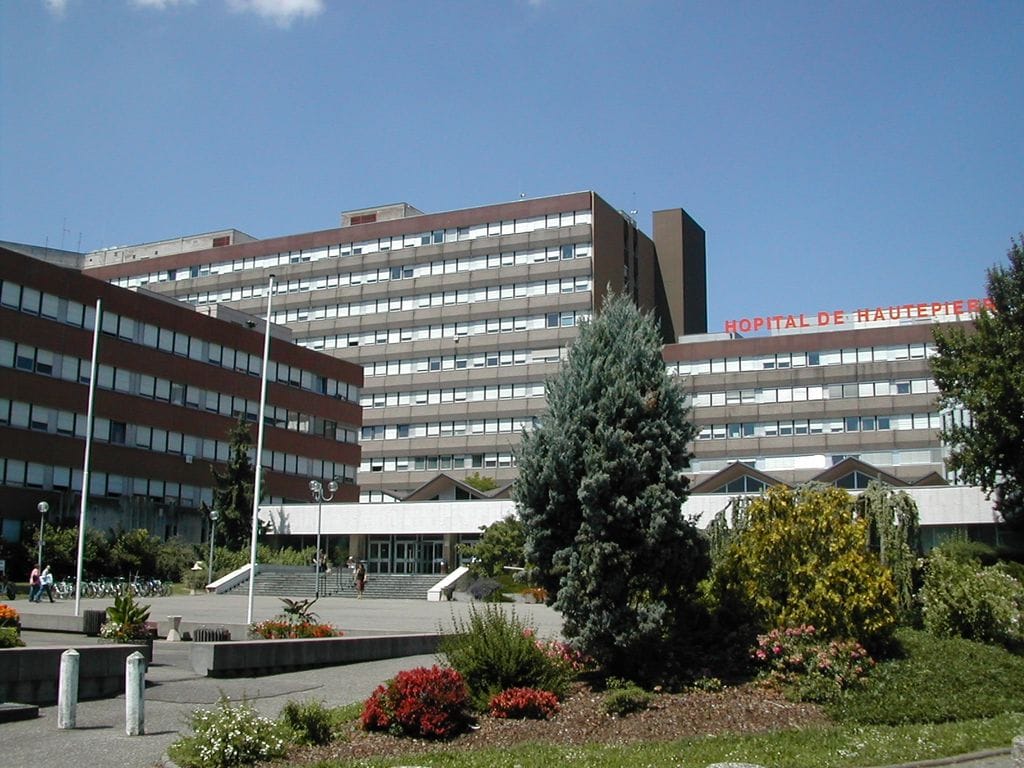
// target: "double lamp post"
[[317, 489]]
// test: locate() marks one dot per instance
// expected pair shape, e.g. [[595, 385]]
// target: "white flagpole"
[[258, 485], [88, 445]]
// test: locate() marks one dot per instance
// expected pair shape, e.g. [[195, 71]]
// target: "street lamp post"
[[214, 514], [317, 489], [43, 508]]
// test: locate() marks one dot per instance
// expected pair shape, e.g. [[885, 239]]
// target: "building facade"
[[456, 318], [170, 385], [800, 400]]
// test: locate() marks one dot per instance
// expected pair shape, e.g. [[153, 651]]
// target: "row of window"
[[430, 463], [855, 481], [820, 426], [29, 474], [448, 428], [490, 359], [759, 396], [454, 395], [564, 252], [435, 299], [36, 417], [819, 461], [34, 302], [343, 250], [44, 362], [785, 360], [568, 319]]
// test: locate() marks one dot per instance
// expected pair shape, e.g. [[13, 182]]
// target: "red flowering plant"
[[9, 617], [815, 668], [524, 703], [297, 621], [429, 703]]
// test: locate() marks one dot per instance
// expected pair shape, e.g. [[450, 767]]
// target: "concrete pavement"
[[173, 690]]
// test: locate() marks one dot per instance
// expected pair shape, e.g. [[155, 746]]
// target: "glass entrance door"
[[379, 557]]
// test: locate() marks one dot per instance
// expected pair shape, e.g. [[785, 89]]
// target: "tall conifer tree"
[[233, 489], [600, 492]]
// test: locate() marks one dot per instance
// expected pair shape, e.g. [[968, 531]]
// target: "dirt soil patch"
[[749, 708]]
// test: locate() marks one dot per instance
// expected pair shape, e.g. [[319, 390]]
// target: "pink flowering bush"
[[524, 703], [429, 703], [814, 668], [276, 629]]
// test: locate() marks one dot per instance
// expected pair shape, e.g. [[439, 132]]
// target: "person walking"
[[46, 584], [35, 585], [360, 580]]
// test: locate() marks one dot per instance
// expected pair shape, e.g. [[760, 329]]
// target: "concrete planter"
[[145, 645]]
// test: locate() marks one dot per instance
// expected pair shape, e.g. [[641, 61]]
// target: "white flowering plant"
[[229, 737]]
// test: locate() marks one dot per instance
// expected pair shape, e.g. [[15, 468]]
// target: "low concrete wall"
[[267, 657], [86, 624], [31, 675]]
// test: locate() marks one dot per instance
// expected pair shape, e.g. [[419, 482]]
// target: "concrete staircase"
[[338, 583]]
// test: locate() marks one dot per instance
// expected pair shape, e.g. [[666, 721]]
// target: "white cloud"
[[158, 4], [281, 12], [56, 7]]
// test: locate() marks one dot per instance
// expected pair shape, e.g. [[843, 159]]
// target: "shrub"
[[431, 703], [494, 651], [277, 629], [524, 703], [310, 722], [707, 684], [802, 557], [936, 680], [813, 669], [126, 619], [962, 598], [228, 736], [296, 621], [9, 638], [625, 698]]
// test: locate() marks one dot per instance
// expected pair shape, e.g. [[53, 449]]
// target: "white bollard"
[[134, 700], [67, 692], [173, 635]]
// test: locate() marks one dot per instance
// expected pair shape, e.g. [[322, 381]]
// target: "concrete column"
[[67, 692], [134, 698]]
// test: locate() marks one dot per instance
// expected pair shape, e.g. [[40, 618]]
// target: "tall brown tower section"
[[682, 266]]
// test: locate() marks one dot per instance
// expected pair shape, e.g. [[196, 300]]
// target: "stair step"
[[339, 584]]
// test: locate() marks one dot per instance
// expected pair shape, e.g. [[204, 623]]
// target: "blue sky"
[[838, 154]]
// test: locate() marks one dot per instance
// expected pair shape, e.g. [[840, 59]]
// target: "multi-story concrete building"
[[170, 385], [457, 318]]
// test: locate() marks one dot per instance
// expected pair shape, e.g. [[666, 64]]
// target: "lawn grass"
[[849, 746]]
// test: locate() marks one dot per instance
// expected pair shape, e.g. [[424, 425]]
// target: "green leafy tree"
[[482, 483], [501, 544], [233, 490], [803, 558], [135, 553], [61, 551], [600, 492], [982, 370]]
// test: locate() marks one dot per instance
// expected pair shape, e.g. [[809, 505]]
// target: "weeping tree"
[[600, 492], [894, 532]]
